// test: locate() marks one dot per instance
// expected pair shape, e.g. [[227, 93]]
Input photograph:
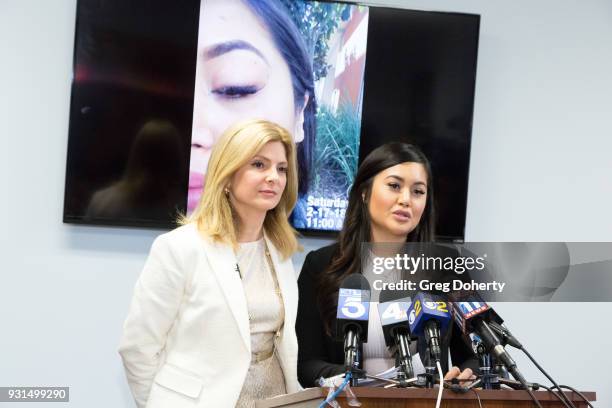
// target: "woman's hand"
[[466, 374]]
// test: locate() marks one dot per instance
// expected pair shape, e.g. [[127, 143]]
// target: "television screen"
[[156, 84], [131, 111], [419, 88]]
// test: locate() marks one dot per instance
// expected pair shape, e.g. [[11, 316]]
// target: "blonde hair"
[[214, 216]]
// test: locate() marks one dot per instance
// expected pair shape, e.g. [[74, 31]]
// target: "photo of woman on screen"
[[298, 63], [252, 63]]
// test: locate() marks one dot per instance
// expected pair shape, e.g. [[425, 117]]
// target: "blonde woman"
[[213, 314]]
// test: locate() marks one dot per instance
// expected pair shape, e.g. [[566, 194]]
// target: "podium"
[[425, 398]]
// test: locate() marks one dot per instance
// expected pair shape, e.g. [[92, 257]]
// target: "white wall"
[[539, 171]]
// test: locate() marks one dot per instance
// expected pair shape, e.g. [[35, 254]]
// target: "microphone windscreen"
[[469, 308], [427, 307], [393, 313], [353, 306]]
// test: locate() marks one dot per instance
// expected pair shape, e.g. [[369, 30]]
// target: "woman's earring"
[[226, 191]]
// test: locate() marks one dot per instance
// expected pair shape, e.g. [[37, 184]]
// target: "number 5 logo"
[[353, 308]]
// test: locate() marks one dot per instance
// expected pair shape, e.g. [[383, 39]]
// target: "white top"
[[376, 355], [266, 315], [266, 312]]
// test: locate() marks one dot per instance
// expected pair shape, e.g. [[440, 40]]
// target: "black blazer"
[[320, 356]]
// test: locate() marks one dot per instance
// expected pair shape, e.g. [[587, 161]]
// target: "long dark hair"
[[356, 229], [292, 47]]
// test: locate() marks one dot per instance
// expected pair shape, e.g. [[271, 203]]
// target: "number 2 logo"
[[442, 307], [417, 308]]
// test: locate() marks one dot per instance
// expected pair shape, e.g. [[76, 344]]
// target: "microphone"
[[429, 316], [505, 336], [475, 306], [477, 347], [473, 316], [352, 316], [394, 321]]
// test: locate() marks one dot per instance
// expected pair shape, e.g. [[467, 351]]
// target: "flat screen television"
[[156, 83]]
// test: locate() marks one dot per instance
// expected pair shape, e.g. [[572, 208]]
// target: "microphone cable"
[[454, 386], [332, 397], [555, 385], [581, 395], [477, 396], [512, 341], [531, 394], [555, 394], [439, 400]]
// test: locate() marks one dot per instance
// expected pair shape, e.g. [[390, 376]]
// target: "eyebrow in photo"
[[219, 49]]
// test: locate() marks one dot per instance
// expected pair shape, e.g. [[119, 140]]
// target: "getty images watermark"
[[498, 271], [409, 264]]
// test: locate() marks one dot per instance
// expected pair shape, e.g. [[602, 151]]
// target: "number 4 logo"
[[394, 311]]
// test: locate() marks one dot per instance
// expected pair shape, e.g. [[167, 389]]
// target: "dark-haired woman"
[[252, 64], [391, 201]]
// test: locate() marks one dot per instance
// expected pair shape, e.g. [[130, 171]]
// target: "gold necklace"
[[276, 289]]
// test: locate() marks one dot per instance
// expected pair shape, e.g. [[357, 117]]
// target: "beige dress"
[[266, 316]]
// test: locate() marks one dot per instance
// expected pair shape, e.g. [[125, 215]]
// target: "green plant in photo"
[[336, 149], [317, 22]]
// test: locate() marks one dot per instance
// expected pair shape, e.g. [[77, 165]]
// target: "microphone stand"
[[352, 357], [501, 371], [401, 376], [488, 377], [427, 379]]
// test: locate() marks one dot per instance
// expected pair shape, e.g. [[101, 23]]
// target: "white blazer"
[[186, 340]]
